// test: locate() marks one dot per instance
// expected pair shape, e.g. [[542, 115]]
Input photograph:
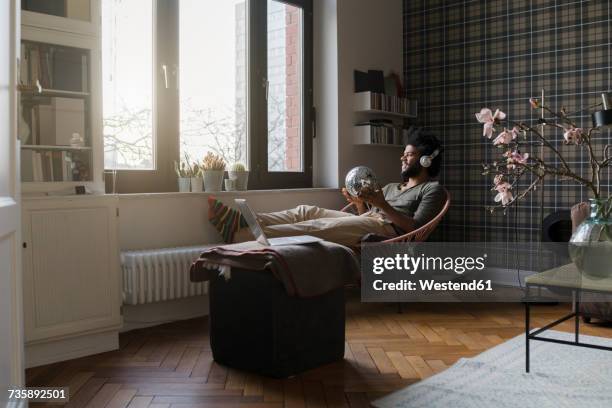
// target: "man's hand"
[[351, 199], [377, 199], [356, 201], [374, 197]]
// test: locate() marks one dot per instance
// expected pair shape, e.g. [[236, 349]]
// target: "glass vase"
[[590, 246]]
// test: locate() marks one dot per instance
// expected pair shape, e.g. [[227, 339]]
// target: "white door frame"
[[11, 315]]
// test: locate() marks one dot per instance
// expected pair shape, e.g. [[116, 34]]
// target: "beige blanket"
[[305, 270]]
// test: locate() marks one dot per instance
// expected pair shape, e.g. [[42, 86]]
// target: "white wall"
[[325, 145], [180, 219], [366, 35], [369, 37]]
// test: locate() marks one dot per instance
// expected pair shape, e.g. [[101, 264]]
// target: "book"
[[66, 166], [50, 53], [44, 67], [376, 79], [68, 70], [45, 118], [37, 167], [34, 125], [361, 81], [24, 67], [47, 165], [57, 165], [34, 65], [27, 165]]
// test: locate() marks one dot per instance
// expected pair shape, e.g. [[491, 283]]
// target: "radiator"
[[155, 275]]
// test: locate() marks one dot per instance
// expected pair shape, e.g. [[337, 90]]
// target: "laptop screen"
[[251, 220]]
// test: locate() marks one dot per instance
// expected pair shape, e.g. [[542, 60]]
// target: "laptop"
[[257, 231]]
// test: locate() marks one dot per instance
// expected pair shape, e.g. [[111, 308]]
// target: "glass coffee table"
[[568, 278]]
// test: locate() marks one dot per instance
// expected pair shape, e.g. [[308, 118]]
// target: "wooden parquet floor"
[[171, 365]]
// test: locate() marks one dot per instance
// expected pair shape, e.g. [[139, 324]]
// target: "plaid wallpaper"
[[460, 56]]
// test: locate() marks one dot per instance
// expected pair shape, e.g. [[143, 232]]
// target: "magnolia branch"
[[518, 164]]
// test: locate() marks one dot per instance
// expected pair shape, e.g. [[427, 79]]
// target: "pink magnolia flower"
[[502, 187], [487, 130], [506, 136], [572, 135], [534, 103], [515, 157], [498, 179], [503, 193], [488, 118]]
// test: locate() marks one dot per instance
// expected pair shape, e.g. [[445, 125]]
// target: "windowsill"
[[228, 193], [128, 196]]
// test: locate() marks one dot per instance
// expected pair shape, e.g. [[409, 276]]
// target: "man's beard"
[[411, 171]]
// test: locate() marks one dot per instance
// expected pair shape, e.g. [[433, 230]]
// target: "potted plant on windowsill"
[[196, 178], [183, 172], [239, 173], [213, 169]]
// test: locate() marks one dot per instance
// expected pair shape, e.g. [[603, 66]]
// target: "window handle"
[[266, 85], [165, 71]]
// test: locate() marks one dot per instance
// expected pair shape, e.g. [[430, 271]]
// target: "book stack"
[[376, 133], [365, 101], [46, 165], [54, 67]]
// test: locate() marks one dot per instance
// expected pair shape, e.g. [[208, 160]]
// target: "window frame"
[[166, 102], [258, 105]]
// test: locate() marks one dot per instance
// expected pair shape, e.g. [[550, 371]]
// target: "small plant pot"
[[230, 184], [196, 184], [242, 179], [184, 184], [213, 180]]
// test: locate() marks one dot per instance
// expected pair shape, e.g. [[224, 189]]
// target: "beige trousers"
[[330, 225]]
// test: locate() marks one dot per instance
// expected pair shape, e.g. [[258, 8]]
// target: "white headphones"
[[427, 160]]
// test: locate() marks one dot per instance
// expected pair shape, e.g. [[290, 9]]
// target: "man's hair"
[[427, 143]]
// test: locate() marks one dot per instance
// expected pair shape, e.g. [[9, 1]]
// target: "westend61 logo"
[[454, 271], [412, 264]]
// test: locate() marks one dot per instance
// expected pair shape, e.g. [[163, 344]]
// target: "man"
[[396, 209]]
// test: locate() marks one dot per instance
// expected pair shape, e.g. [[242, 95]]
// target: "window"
[[193, 76], [127, 72], [285, 94], [213, 87]]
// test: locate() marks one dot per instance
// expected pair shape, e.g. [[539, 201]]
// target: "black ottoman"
[[255, 326]]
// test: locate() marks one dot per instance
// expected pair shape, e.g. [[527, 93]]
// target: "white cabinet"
[[71, 277]]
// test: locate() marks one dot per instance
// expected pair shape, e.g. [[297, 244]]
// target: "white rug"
[[561, 376]]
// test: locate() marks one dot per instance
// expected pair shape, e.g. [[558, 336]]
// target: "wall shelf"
[[54, 92], [381, 104], [42, 147], [380, 144], [386, 113]]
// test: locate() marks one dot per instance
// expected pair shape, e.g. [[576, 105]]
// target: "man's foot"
[[225, 219]]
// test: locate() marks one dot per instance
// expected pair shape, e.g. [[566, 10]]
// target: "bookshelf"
[[381, 104], [380, 112], [62, 91], [60, 100], [380, 119], [378, 135]]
